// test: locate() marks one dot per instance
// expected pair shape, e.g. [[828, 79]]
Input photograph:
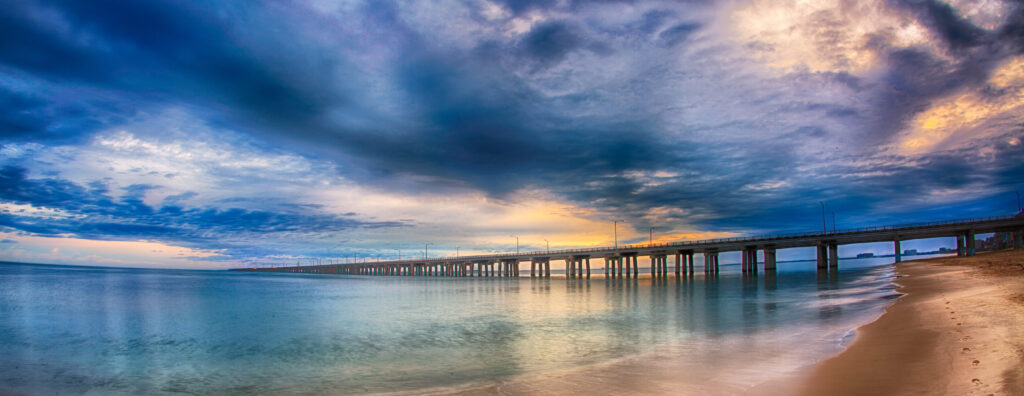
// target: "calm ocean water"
[[78, 330]]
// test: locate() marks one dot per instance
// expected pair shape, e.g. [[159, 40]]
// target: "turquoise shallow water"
[[75, 330]]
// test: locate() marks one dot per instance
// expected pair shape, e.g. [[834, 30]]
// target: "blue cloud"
[[575, 105], [94, 214]]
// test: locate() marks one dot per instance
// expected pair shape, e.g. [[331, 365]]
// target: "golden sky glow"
[[32, 249], [963, 113], [820, 35]]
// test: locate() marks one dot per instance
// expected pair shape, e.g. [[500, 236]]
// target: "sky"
[[223, 134]]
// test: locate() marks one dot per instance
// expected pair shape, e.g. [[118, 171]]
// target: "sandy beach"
[[959, 330]]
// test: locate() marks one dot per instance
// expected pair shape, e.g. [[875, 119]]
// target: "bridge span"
[[621, 261]]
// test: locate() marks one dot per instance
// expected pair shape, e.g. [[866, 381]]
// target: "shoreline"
[[956, 331]]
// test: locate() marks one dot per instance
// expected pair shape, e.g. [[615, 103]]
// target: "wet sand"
[[958, 331]]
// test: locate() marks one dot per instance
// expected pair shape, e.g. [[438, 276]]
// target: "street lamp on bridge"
[[824, 228]]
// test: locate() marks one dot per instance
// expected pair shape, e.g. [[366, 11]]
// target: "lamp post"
[[425, 249], [824, 228], [399, 254], [517, 243], [833, 222], [615, 229], [456, 252], [548, 245]]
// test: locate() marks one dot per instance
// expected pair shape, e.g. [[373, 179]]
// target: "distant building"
[[865, 255], [943, 250], [910, 252]]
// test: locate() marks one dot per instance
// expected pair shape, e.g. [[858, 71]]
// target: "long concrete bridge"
[[621, 261]]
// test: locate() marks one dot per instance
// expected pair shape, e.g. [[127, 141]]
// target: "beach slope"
[[959, 330]]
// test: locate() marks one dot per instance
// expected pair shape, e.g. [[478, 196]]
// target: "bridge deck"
[[964, 230]]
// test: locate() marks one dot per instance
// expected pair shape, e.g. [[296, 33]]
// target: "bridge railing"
[[696, 243]]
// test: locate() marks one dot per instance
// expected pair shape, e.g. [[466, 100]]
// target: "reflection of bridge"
[[622, 260]]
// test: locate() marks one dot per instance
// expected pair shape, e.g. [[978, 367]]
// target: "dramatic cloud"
[[210, 126]]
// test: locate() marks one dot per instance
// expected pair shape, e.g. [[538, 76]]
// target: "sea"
[[78, 330]]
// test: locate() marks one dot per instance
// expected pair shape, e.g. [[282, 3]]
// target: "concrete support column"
[[897, 251], [970, 243], [654, 264], [1018, 239], [833, 255], [636, 271], [618, 266], [547, 268], [679, 263], [588, 267], [769, 259], [744, 261], [533, 268], [823, 255]]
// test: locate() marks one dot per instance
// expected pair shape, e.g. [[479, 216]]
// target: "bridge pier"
[[833, 255], [749, 259], [970, 243], [898, 252], [1018, 239], [769, 258], [822, 259]]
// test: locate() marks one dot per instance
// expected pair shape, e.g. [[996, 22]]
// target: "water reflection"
[[68, 330]]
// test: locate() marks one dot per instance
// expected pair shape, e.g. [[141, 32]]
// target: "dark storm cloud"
[[551, 41], [92, 213], [156, 51], [914, 77]]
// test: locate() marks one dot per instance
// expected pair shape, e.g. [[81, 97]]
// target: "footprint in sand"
[[965, 338], [975, 363], [967, 349], [976, 381]]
